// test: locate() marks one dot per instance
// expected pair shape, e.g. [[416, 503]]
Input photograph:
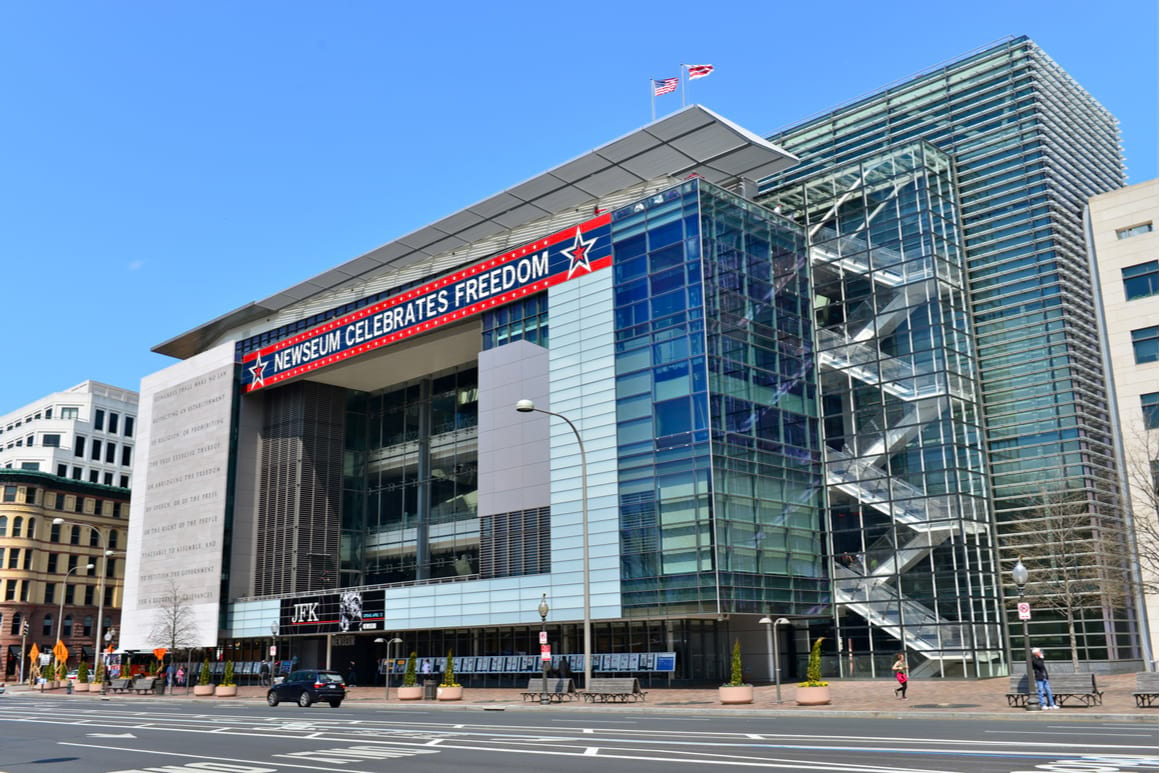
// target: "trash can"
[[430, 688]]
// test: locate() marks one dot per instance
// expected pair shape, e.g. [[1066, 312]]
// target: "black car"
[[308, 686]]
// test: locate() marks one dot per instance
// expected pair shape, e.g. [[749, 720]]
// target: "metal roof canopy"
[[694, 140]]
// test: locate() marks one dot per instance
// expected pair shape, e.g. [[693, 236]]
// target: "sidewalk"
[[942, 699]]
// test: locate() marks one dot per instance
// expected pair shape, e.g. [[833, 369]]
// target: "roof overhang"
[[694, 140]]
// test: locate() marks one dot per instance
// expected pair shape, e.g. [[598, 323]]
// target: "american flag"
[[698, 70], [665, 86]]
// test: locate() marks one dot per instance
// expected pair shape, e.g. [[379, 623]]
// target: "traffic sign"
[[546, 653], [1024, 610], [543, 637]]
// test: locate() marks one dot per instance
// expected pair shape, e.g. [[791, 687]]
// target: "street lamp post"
[[60, 614], [1020, 575], [528, 406], [545, 699], [771, 648], [108, 644], [388, 666], [105, 553]]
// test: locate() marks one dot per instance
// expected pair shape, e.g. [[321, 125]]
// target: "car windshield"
[[323, 676]]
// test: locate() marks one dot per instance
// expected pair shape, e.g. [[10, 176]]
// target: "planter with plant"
[[411, 689], [83, 684], [228, 687], [204, 684], [99, 678], [736, 690], [449, 689], [813, 691]]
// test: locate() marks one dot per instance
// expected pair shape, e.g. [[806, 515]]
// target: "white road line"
[[256, 763]]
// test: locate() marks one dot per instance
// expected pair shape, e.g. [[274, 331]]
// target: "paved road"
[[58, 734]]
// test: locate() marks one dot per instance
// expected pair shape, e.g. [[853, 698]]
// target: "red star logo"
[[578, 253], [257, 373]]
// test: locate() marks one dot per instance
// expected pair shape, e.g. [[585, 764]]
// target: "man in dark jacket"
[[1046, 699]]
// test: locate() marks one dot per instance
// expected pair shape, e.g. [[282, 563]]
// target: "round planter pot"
[[203, 689], [412, 693], [85, 686], [225, 691], [813, 696], [729, 694], [449, 693]]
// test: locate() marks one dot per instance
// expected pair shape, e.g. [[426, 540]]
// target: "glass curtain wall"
[[1030, 146], [720, 484], [418, 467], [909, 530]]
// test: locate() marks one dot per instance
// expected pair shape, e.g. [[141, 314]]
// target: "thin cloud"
[[135, 265]]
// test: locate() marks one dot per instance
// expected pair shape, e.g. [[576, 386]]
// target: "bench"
[[613, 690], [143, 686], [559, 690], [1146, 684], [1080, 688], [121, 685]]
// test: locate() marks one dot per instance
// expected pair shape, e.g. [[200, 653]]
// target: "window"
[[48, 413], [113, 422], [1133, 230], [30, 499], [70, 595], [110, 453], [96, 454], [88, 623], [50, 441], [94, 476], [10, 495], [10, 590], [15, 629], [126, 455], [108, 479], [3, 525], [113, 539], [74, 539], [59, 504], [94, 538], [46, 628], [1141, 280], [62, 471], [13, 558], [79, 446], [99, 419], [72, 560], [69, 412], [49, 592], [124, 481], [77, 473], [54, 535], [1146, 344], [30, 466], [111, 567], [17, 526], [128, 426], [1149, 404]]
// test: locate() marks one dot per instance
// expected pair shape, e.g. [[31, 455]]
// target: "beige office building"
[[1122, 231]]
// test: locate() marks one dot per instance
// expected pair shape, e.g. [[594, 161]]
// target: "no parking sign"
[[1024, 610]]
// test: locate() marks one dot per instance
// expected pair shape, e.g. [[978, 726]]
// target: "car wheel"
[[335, 704], [271, 698], [304, 700]]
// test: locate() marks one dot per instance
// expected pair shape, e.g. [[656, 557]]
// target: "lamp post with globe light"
[[543, 610], [1020, 575], [388, 667], [60, 616], [528, 406]]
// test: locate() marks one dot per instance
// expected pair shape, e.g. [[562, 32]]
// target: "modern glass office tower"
[[910, 548], [1029, 146]]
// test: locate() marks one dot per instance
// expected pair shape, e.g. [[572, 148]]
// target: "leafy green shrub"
[[228, 674], [409, 679], [100, 674], [735, 670], [814, 669], [83, 673], [203, 676], [449, 673]]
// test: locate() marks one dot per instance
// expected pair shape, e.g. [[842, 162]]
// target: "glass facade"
[[1030, 146], [717, 422], [908, 524]]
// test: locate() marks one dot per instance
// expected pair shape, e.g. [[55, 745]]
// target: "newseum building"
[[343, 462]]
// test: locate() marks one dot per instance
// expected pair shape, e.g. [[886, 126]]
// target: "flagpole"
[[682, 85], [653, 97]]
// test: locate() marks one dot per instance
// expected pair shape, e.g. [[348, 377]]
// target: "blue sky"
[[167, 162]]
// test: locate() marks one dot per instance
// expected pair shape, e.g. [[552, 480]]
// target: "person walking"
[[1042, 684], [264, 673], [901, 674]]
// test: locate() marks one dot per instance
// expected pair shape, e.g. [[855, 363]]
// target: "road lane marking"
[[236, 760]]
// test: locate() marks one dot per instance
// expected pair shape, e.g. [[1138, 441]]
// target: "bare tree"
[[1075, 556], [174, 626], [1143, 473]]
